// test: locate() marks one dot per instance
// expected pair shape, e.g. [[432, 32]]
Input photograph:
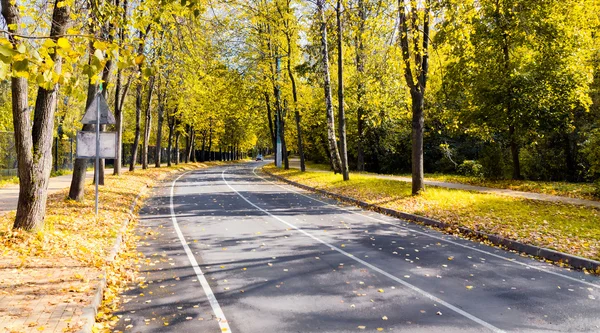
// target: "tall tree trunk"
[[417, 89], [286, 161], [188, 144], [334, 154], [157, 149], [360, 91], [147, 123], [171, 123], [295, 97], [33, 143], [270, 119], [119, 102], [341, 113], [138, 119], [177, 155], [120, 97], [210, 132], [193, 146]]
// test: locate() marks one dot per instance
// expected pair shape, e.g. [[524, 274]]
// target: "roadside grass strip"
[[561, 227], [69, 253], [587, 191]]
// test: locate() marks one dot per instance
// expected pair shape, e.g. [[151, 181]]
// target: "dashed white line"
[[366, 264], [214, 304], [434, 237]]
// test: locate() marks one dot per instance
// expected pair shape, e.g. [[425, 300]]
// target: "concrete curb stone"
[[90, 311], [537, 251]]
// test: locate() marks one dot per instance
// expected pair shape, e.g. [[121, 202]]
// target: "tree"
[[341, 113], [34, 143], [334, 154], [419, 66]]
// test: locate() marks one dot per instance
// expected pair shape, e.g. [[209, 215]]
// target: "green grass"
[[573, 190], [8, 181], [566, 228]]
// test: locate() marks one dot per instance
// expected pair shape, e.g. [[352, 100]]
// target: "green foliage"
[[591, 151], [492, 161], [470, 168]]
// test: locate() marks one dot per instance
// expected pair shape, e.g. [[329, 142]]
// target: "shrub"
[[470, 168]]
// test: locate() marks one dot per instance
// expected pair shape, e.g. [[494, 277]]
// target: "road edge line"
[[214, 304]]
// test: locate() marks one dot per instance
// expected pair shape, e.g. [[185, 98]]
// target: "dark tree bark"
[[171, 123], [417, 89], [147, 123], [138, 119], [341, 112], [177, 155], [286, 161], [360, 89], [210, 132], [33, 143], [295, 97], [334, 154], [138, 103], [119, 102], [158, 148], [270, 119], [120, 97]]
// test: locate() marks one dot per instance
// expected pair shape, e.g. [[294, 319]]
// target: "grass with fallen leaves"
[[573, 190], [74, 241], [566, 228]]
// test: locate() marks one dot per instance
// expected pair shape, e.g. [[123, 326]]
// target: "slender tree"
[[417, 88], [334, 154]]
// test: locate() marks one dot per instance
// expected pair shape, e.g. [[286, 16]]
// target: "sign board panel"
[[86, 144], [106, 117]]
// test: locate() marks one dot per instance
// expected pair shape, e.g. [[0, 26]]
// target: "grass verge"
[[69, 253], [562, 227], [586, 191]]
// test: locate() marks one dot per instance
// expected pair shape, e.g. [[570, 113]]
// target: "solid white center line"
[[374, 268], [514, 261], [214, 304]]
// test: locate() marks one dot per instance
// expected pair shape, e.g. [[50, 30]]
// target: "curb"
[[552, 255], [90, 311]]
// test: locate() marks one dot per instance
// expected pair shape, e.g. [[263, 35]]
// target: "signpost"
[[100, 145]]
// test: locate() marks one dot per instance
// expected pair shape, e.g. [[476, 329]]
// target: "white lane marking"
[[214, 304], [515, 261], [375, 268]]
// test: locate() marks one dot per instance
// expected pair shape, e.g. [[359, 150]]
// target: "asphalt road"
[[228, 250]]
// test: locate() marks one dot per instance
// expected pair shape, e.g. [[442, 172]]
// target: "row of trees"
[[499, 88], [163, 70], [494, 88]]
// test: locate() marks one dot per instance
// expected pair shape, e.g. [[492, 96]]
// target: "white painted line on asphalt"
[[214, 304], [374, 268], [433, 236]]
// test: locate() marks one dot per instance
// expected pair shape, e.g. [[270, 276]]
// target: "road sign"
[[106, 117], [86, 145]]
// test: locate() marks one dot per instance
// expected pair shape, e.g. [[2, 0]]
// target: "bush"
[[470, 168], [596, 192]]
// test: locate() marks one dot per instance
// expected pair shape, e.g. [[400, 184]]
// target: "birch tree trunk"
[[341, 112], [334, 154]]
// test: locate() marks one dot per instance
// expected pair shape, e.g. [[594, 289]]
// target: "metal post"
[[97, 173]]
